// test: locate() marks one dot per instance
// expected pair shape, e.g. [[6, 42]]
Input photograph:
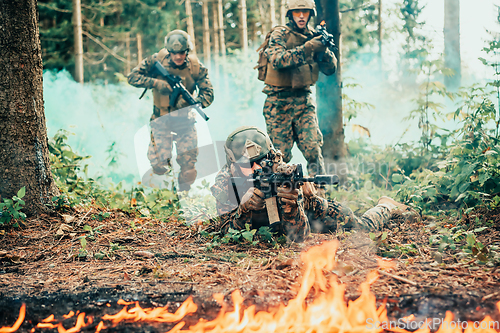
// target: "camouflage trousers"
[[163, 136], [294, 119], [329, 216]]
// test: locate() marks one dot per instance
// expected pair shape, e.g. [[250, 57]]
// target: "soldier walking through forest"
[[179, 128], [294, 58], [300, 210]]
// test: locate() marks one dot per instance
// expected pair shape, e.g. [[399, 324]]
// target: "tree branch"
[[104, 47]]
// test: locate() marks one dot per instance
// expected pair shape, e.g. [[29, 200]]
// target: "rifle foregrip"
[[326, 179]]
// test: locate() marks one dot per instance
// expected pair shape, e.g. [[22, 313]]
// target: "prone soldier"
[[179, 128], [300, 210]]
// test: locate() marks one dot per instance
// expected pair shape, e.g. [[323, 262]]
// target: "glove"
[[288, 198], [181, 102], [315, 45], [163, 87], [252, 200], [309, 190]]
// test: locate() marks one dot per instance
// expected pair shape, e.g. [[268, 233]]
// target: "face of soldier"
[[178, 57], [301, 17], [248, 171]]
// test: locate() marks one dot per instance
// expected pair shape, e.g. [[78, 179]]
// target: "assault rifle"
[[326, 37], [287, 175], [178, 88]]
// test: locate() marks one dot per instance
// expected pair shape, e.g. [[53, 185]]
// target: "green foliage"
[[247, 236], [359, 32], [10, 209]]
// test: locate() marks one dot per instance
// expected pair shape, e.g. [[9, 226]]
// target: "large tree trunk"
[[329, 95], [452, 43], [24, 155]]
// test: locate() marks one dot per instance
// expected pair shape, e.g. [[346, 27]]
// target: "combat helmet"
[[248, 139], [178, 41], [300, 4]]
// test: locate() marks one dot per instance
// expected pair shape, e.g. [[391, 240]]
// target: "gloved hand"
[[315, 45], [181, 102], [288, 198], [163, 87], [309, 190], [252, 200]]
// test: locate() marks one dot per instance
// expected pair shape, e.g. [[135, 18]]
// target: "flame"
[[17, 324], [160, 314], [323, 23], [385, 264], [318, 307]]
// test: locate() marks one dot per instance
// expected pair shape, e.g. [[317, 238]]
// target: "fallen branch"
[[397, 277]]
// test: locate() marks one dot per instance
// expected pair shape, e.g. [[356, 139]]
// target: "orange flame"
[[385, 264], [160, 314], [17, 324], [325, 312]]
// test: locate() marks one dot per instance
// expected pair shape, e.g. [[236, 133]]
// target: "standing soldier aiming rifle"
[[179, 127], [289, 64]]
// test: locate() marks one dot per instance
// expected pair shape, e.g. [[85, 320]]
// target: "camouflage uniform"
[[316, 214], [180, 127], [294, 226], [289, 111], [329, 215]]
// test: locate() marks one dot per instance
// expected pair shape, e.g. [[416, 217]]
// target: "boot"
[[186, 179], [397, 207]]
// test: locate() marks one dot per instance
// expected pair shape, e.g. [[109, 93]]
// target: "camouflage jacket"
[[281, 58], [296, 228], [138, 77]]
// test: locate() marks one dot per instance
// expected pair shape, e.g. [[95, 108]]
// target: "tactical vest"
[[296, 77], [189, 75]]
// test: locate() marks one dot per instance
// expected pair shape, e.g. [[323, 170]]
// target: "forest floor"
[[47, 266]]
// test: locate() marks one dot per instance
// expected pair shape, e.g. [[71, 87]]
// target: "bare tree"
[[380, 34], [222, 38], [452, 58], [244, 25], [206, 33], [24, 154], [77, 30], [329, 93], [190, 24]]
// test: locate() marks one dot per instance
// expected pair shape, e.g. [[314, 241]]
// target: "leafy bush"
[[10, 209]]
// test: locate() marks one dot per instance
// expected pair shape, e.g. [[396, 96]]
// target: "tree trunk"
[[263, 18], [206, 34], [272, 12], [329, 95], [222, 38], [244, 25], [139, 48], [77, 30], [190, 25], [128, 53], [452, 43], [215, 20], [24, 154], [380, 34], [283, 12]]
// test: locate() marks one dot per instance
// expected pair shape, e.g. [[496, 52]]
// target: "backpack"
[[263, 61]]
